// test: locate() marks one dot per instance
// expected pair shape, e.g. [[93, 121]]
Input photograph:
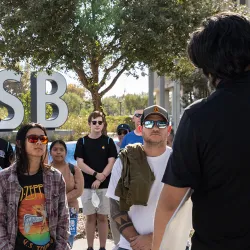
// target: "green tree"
[[111, 105], [18, 88], [133, 101], [78, 100], [26, 100], [3, 112], [95, 38], [78, 90], [74, 102], [194, 84]]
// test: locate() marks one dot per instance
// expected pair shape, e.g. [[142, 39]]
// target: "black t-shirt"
[[211, 154], [95, 153], [33, 224], [6, 152]]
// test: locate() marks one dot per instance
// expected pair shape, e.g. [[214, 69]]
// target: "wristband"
[[95, 174]]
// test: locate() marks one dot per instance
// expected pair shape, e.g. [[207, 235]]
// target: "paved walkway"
[[81, 244]]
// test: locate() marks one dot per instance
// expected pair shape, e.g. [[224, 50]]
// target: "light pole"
[[120, 102]]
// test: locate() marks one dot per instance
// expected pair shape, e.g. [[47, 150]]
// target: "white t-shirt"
[[142, 216], [117, 147]]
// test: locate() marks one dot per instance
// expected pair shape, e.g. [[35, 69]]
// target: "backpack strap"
[[108, 140], [72, 168]]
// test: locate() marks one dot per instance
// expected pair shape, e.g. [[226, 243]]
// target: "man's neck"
[[35, 164], [154, 150], [137, 132], [94, 135]]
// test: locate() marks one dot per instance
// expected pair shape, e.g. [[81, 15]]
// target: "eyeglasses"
[[34, 138], [137, 115], [124, 132], [159, 124], [95, 122]]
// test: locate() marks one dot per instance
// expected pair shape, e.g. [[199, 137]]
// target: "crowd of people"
[[45, 215], [139, 182]]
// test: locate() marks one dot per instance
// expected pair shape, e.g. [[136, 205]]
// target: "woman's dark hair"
[[221, 47], [60, 142], [21, 154]]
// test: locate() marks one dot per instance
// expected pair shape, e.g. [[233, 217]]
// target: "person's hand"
[[96, 184], [101, 177], [141, 242]]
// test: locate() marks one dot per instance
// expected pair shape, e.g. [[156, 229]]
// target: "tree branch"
[[94, 68], [111, 85], [114, 65], [109, 47], [82, 76]]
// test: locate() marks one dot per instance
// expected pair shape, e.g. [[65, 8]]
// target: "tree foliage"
[[26, 101], [157, 31], [194, 84], [17, 88], [79, 90], [126, 105], [95, 38], [133, 102]]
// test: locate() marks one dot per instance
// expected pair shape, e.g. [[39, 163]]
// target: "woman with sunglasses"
[[74, 182], [33, 204]]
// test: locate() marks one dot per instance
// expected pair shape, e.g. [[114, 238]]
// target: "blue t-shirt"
[[131, 138]]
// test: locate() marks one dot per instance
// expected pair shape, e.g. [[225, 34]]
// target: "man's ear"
[[140, 128], [169, 130]]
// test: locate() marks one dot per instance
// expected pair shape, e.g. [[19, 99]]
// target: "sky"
[[125, 84]]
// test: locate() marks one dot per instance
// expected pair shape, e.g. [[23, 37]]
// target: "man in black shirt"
[[206, 156], [95, 155], [6, 153]]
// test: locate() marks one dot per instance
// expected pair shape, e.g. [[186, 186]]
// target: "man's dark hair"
[[96, 114], [221, 47]]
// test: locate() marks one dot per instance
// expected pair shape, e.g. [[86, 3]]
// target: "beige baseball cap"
[[154, 110]]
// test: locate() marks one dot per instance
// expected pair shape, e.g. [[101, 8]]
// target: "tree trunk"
[[96, 99], [97, 103]]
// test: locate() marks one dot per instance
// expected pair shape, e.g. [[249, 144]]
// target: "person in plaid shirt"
[[33, 206]]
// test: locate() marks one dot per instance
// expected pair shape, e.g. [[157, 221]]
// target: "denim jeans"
[[71, 240], [73, 225]]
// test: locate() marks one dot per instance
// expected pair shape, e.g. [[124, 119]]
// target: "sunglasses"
[[159, 124], [95, 122], [34, 138], [138, 115], [122, 132]]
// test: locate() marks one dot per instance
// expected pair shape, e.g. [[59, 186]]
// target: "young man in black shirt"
[[95, 154], [206, 157], [6, 153]]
